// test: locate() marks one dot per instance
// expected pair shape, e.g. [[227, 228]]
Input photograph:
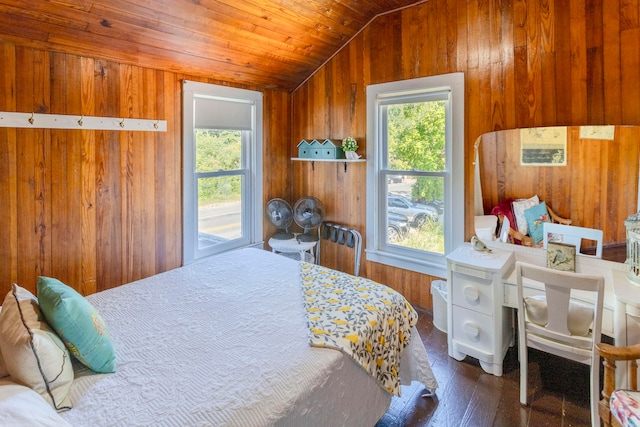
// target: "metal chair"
[[553, 324]]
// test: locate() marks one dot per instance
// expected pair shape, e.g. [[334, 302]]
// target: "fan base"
[[304, 237], [283, 236]]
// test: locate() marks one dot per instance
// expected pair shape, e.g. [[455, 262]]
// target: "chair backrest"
[[573, 235], [555, 336]]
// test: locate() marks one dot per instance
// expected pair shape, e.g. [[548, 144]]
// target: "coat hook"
[[155, 125], [80, 120], [122, 123], [31, 119]]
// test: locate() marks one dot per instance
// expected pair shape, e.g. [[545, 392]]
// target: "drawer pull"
[[471, 330], [471, 294]]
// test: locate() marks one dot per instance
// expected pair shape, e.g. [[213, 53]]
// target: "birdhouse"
[[304, 149], [315, 148], [633, 248], [330, 150]]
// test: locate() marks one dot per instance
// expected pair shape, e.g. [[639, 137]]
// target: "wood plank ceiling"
[[271, 44]]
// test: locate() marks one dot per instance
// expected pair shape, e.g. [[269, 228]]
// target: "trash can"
[[439, 292]]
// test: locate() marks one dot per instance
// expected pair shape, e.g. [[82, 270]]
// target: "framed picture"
[[543, 146], [597, 132], [561, 256]]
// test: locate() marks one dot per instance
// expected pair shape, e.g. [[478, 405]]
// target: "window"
[[222, 169], [415, 172]]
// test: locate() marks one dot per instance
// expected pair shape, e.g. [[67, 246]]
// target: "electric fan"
[[279, 212], [308, 213]]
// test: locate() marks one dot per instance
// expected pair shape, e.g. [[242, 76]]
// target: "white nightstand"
[[478, 325], [303, 251]]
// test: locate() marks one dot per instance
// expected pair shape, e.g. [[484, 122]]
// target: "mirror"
[[588, 174]]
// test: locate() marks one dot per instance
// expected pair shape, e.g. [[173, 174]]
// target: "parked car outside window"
[[417, 213], [397, 227]]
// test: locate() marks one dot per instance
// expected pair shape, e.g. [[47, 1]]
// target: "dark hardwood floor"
[[468, 396]]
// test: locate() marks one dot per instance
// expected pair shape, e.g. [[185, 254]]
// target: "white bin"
[[439, 292]]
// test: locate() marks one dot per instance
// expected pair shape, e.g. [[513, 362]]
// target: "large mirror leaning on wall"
[[584, 175]]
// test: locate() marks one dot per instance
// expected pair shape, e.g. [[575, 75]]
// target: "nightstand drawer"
[[472, 293], [473, 329]]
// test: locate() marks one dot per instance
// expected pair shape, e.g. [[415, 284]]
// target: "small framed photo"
[[561, 256], [597, 132]]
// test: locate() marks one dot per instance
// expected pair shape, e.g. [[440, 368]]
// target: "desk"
[[483, 281], [627, 320], [628, 309], [303, 251]]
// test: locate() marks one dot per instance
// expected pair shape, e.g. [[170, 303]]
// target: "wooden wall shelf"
[[345, 161]]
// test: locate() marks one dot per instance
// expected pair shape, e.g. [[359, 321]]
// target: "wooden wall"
[[97, 209], [526, 64]]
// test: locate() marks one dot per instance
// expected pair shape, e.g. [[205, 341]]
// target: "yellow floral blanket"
[[366, 320]]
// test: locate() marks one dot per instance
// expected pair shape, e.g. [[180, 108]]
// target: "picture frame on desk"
[[561, 256]]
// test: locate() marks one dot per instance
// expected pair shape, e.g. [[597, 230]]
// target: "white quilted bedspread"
[[223, 342]]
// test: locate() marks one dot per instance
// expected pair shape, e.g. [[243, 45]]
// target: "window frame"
[[251, 170], [377, 249]]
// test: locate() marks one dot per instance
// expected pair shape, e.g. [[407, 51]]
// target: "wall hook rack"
[[65, 121]]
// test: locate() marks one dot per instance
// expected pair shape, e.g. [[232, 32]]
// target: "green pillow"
[[78, 323], [536, 217]]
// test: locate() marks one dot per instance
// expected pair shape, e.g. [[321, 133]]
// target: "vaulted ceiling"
[[263, 43]]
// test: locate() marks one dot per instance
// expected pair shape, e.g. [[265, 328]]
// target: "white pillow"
[[33, 354], [21, 406], [519, 206], [579, 319]]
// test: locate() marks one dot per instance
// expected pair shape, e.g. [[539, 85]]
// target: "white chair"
[[573, 235], [556, 325]]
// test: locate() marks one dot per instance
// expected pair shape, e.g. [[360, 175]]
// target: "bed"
[[224, 342]]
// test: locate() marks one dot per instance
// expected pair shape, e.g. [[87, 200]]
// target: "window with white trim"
[[415, 172], [222, 140]]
